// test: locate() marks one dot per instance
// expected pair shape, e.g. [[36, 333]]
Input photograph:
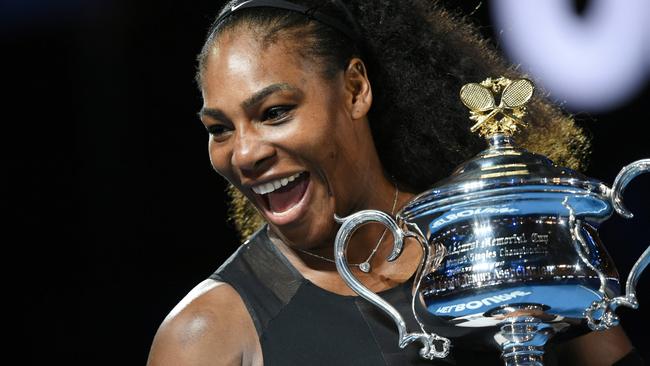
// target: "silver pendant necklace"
[[365, 265]]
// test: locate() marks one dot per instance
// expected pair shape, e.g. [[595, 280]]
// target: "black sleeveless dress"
[[299, 323]]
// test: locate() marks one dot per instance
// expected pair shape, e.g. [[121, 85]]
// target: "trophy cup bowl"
[[511, 253]]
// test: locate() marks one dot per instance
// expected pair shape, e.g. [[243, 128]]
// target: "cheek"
[[219, 159], [320, 146]]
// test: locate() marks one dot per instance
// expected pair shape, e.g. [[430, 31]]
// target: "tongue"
[[288, 196]]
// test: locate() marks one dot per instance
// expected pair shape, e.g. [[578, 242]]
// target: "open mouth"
[[281, 195]]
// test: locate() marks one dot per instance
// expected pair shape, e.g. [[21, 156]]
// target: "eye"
[[219, 132], [277, 113]]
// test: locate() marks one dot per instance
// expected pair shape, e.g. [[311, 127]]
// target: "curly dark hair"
[[418, 57]]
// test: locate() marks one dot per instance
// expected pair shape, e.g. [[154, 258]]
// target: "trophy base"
[[522, 335], [489, 319]]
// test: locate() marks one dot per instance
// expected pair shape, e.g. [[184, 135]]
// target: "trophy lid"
[[503, 167]]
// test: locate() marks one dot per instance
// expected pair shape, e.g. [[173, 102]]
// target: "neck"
[[365, 239]]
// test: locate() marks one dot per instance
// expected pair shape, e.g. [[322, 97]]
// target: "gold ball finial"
[[491, 118]]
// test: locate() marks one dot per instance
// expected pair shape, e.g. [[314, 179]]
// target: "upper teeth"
[[273, 185]]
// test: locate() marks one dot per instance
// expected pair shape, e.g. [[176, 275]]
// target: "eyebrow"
[[213, 113], [265, 92], [251, 101]]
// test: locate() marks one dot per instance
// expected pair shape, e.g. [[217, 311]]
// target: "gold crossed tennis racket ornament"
[[491, 118]]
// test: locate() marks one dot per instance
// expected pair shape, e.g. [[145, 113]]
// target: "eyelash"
[[218, 130], [285, 109]]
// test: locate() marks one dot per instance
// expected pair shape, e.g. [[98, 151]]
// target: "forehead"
[[238, 64]]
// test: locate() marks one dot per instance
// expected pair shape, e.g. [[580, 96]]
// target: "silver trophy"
[[511, 249]]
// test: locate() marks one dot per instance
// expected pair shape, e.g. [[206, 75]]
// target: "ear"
[[357, 86]]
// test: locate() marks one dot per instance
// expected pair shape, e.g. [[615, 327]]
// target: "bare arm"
[[209, 327], [596, 348]]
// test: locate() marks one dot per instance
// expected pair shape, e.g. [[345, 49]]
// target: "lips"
[[284, 199], [271, 186]]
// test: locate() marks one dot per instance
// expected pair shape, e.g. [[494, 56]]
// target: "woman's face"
[[295, 144]]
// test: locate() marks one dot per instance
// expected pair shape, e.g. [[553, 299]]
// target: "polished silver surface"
[[621, 181], [503, 167], [601, 314], [523, 336], [430, 341], [512, 255]]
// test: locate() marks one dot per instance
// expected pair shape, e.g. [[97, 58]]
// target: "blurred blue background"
[[115, 210]]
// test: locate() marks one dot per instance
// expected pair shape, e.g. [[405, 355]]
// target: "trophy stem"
[[501, 141], [524, 340]]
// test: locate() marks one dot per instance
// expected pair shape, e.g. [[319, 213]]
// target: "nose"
[[252, 155]]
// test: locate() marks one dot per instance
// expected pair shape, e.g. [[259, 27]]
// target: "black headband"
[[311, 13]]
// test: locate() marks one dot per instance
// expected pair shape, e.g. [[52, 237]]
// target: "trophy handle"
[[349, 225], [624, 177], [600, 315]]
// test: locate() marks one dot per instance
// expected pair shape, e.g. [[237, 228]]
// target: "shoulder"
[[210, 326], [242, 260]]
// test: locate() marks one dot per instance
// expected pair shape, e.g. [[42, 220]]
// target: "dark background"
[[115, 212]]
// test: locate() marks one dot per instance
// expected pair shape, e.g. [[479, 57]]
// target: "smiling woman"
[[316, 109], [285, 120]]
